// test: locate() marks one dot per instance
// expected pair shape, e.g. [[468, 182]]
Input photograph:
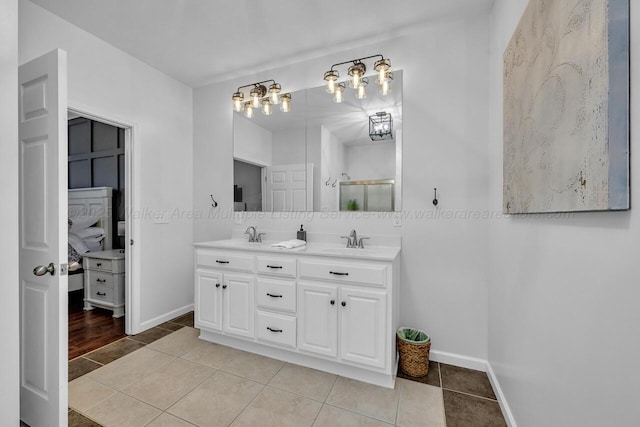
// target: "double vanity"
[[323, 306]]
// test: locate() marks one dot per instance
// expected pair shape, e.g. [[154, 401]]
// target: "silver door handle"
[[41, 270]]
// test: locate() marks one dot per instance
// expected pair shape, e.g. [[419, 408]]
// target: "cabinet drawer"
[[97, 278], [277, 294], [224, 260], [277, 266], [366, 274], [277, 328], [101, 293]]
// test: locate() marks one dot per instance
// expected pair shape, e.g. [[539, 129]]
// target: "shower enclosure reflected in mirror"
[[321, 156]]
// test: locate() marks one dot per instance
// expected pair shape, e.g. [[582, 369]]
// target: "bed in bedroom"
[[91, 226]]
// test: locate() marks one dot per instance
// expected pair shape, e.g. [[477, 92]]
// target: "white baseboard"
[[506, 411], [479, 365], [458, 360], [148, 324]]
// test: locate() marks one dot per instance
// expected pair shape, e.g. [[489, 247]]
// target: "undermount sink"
[[348, 251]]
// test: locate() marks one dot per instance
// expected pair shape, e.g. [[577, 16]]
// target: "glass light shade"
[[248, 110], [361, 92], [382, 67], [385, 88], [266, 107], [285, 103], [237, 101], [338, 94], [331, 77], [274, 91], [356, 72]]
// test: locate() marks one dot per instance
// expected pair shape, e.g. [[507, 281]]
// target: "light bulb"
[[331, 86], [382, 66], [266, 107], [356, 72], [382, 76], [248, 110], [285, 104], [255, 101], [337, 95], [355, 80]]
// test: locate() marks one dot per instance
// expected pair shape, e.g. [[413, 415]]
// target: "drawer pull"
[[338, 273], [222, 262], [343, 303], [224, 286], [101, 294], [332, 302], [98, 264], [273, 295], [217, 285], [101, 280], [274, 330], [274, 266]]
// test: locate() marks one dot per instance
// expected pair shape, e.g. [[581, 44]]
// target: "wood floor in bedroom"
[[89, 330]]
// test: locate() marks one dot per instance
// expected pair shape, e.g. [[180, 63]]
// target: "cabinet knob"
[[332, 302], [224, 286], [217, 285], [343, 303]]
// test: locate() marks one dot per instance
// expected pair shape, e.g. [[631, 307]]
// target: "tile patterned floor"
[[168, 377]]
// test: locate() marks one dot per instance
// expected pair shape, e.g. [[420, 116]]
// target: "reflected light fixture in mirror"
[[357, 81], [380, 126], [259, 97]]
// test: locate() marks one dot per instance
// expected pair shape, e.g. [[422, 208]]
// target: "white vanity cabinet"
[[224, 299], [329, 312]]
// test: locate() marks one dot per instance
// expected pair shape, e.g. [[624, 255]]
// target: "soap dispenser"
[[302, 234]]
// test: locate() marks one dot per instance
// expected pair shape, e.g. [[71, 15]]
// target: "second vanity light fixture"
[[260, 97], [357, 81]]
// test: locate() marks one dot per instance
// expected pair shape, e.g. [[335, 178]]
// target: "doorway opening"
[[99, 183]]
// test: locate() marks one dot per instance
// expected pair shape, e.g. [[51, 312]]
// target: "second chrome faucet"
[[254, 236], [352, 240]]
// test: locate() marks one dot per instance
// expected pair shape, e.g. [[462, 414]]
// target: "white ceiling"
[[203, 41]]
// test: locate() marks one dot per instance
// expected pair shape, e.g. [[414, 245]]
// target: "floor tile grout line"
[[471, 395], [248, 404], [351, 411]]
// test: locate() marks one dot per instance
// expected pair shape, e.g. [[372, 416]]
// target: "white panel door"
[[289, 188], [363, 331], [317, 319], [43, 240], [208, 300], [238, 305]]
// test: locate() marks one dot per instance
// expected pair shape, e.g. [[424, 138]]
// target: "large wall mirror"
[[322, 156]]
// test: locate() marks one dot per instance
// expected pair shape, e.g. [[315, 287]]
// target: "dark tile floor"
[[469, 400]]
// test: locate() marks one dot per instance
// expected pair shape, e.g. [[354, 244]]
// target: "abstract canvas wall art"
[[566, 108]]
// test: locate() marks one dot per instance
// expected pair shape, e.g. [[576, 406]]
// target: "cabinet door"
[[317, 318], [363, 332], [238, 305], [208, 311]]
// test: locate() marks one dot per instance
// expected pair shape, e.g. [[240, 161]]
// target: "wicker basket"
[[414, 355]]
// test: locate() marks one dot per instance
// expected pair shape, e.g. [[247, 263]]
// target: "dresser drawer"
[[97, 278], [100, 264], [224, 260], [366, 274], [101, 293], [277, 328], [277, 265], [277, 294]]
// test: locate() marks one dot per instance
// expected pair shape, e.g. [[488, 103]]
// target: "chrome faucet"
[[251, 231], [352, 240]]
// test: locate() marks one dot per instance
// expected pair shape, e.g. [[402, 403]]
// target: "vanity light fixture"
[[357, 81], [380, 126], [261, 97]]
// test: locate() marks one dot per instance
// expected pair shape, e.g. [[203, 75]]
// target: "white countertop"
[[380, 253]]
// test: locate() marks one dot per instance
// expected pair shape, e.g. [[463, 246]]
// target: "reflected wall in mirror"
[[320, 156]]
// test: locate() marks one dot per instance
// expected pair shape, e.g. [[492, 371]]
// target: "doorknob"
[[41, 270]]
